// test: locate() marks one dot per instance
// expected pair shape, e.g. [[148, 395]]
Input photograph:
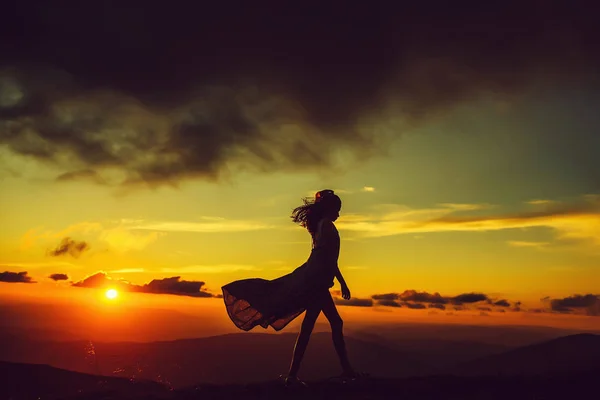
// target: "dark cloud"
[[386, 296], [469, 298], [184, 92], [422, 297], [412, 295], [69, 246], [353, 302], [589, 304], [415, 306], [15, 277], [388, 303], [419, 300], [59, 277], [173, 286]]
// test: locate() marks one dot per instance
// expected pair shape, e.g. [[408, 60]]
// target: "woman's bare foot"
[[293, 381]]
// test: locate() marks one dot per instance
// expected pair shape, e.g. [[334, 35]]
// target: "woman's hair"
[[309, 214]]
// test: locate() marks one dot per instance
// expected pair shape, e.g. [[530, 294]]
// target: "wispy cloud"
[[540, 202], [368, 189], [577, 221], [127, 271], [135, 234], [122, 239], [208, 225], [35, 265], [211, 269], [466, 206], [519, 243], [69, 246]]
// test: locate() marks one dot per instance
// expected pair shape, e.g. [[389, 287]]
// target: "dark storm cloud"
[[15, 277], [418, 300], [388, 303], [69, 246], [412, 295], [59, 277], [386, 296], [415, 306], [422, 297], [502, 303], [469, 298], [589, 304], [356, 302], [173, 92], [173, 285]]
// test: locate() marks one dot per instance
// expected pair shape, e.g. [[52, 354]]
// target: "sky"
[[162, 151]]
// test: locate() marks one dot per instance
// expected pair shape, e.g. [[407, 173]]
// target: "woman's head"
[[326, 204]]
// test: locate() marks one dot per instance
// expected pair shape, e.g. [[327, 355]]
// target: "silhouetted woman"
[[252, 302]]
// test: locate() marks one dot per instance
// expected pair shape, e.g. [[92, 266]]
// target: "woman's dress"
[[255, 301]]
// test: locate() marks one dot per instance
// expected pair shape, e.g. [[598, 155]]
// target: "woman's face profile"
[[334, 213]]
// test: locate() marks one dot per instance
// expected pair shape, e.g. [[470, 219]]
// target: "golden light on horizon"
[[111, 294]]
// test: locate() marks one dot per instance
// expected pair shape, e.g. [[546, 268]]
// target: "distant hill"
[[23, 381], [572, 353], [436, 352], [232, 358], [257, 357]]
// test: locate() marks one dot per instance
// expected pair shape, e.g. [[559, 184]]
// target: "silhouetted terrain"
[[569, 354], [251, 357], [29, 381], [25, 382], [245, 357], [245, 365]]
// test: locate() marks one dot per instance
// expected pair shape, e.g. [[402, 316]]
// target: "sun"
[[111, 294]]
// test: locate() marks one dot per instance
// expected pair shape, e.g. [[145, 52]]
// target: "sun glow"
[[111, 294]]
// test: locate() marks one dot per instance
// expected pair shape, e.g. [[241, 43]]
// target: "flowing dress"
[[256, 301]]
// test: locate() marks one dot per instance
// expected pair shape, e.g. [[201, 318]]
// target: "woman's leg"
[[302, 341], [337, 334]]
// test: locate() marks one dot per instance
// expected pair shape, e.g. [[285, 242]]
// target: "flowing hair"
[[309, 214]]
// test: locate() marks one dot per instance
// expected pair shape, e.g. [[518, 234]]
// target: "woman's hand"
[[345, 292]]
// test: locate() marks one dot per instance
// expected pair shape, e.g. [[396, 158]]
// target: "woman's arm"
[[340, 278], [325, 235], [338, 275]]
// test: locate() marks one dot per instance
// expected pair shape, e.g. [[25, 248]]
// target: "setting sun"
[[111, 294]]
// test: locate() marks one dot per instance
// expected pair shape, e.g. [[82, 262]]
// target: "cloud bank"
[[174, 285], [295, 90], [16, 277], [59, 277], [578, 221]]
